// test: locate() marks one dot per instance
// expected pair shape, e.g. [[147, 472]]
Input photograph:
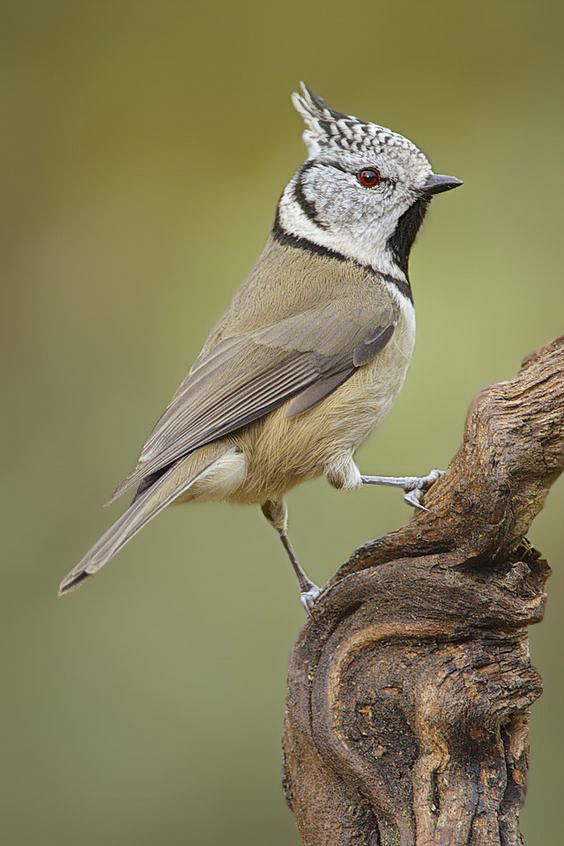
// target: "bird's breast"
[[363, 401], [283, 450]]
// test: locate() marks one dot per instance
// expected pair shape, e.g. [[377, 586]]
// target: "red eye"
[[369, 177]]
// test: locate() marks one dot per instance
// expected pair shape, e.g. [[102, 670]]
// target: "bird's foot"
[[414, 486], [418, 486], [308, 597]]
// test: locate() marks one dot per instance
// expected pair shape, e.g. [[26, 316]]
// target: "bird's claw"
[[308, 598], [416, 489], [414, 498]]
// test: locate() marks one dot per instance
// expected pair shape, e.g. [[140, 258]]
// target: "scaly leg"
[[276, 513]]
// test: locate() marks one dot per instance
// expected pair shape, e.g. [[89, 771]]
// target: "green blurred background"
[[144, 147]]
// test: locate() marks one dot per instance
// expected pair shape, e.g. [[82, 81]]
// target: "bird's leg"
[[343, 474], [414, 486], [276, 513]]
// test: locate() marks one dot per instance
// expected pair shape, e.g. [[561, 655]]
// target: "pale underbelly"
[[282, 451]]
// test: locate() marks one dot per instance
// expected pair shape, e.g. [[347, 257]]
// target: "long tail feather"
[[165, 490]]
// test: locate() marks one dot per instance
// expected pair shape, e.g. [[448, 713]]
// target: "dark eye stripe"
[[337, 166], [307, 206]]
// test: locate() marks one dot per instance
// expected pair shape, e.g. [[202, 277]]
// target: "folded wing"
[[245, 377]]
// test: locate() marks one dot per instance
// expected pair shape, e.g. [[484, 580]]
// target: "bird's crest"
[[330, 130]]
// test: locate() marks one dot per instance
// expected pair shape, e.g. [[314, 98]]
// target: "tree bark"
[[410, 685]]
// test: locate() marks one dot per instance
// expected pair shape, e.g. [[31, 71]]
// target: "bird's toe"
[[309, 597]]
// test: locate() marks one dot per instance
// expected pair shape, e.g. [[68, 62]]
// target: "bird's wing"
[[246, 376]]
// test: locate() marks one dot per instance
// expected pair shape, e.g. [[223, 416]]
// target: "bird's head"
[[363, 191]]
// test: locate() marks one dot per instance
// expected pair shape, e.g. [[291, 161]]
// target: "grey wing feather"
[[318, 391], [245, 377], [372, 344], [364, 352]]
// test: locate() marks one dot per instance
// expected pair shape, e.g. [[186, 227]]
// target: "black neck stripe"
[[402, 285], [288, 240]]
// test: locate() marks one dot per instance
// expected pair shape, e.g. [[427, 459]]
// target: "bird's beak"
[[438, 182]]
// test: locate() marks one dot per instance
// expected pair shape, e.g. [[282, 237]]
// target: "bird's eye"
[[369, 177]]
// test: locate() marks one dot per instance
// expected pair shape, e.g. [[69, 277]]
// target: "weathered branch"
[[409, 689]]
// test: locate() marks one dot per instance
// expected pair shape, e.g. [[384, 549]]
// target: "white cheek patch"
[[354, 233]]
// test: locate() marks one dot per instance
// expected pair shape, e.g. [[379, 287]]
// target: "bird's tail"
[[176, 482]]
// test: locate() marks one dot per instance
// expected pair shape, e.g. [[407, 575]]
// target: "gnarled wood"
[[409, 688]]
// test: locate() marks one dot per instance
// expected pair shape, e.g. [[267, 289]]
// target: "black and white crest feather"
[[329, 129]]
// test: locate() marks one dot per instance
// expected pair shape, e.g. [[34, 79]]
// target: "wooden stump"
[[410, 686]]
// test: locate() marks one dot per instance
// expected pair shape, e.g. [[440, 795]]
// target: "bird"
[[312, 351]]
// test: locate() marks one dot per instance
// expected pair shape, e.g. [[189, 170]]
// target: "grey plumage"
[[242, 379], [311, 352]]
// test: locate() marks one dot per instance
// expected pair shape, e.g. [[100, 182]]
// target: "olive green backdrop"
[[144, 146]]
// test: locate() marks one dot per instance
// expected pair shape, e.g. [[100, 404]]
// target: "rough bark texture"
[[409, 688]]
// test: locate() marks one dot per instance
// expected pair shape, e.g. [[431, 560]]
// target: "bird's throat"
[[405, 233]]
